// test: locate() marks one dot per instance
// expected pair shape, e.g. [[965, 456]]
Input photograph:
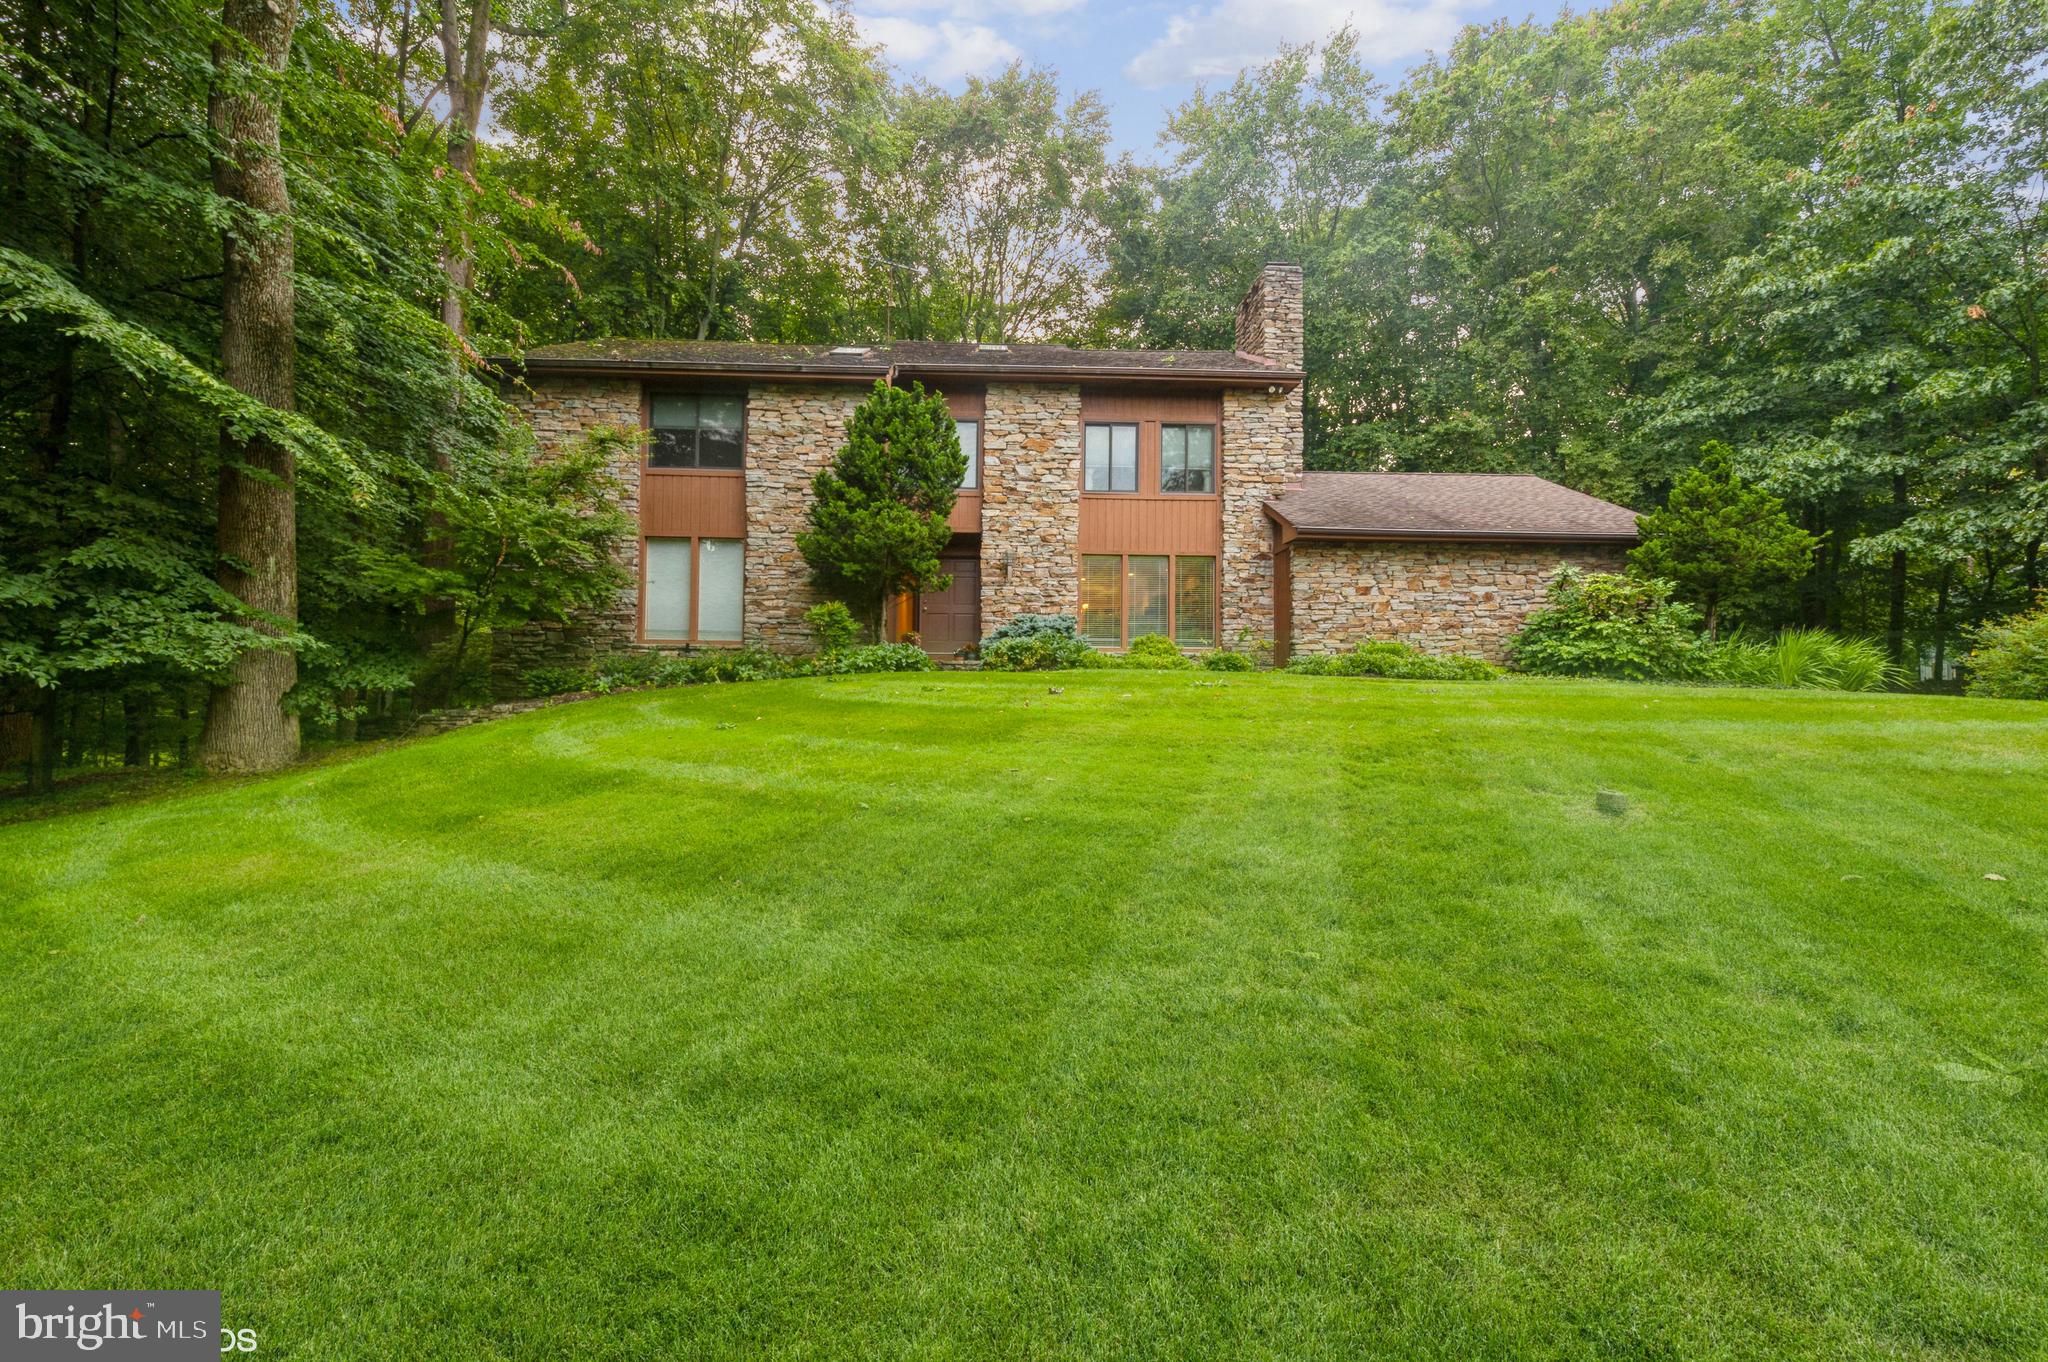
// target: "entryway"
[[950, 620]]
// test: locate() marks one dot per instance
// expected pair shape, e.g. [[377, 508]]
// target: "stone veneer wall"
[[1438, 598], [1262, 452], [1030, 501], [792, 432], [561, 410]]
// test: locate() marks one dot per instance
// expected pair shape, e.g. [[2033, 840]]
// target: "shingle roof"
[[910, 358], [1448, 506]]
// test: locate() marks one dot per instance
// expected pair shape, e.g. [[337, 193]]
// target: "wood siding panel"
[[966, 517], [710, 505], [1148, 520], [1157, 524]]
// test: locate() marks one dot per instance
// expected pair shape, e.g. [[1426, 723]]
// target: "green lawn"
[[1163, 1016]]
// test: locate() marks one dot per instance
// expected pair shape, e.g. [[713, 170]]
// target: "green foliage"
[[1031, 626], [1720, 540], [2010, 659], [1798, 659], [1224, 660], [1388, 658], [523, 539], [1046, 651], [875, 657], [536, 682], [878, 513], [833, 625], [1604, 624], [1154, 652]]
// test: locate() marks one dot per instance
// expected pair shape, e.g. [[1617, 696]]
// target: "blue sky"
[[1145, 56]]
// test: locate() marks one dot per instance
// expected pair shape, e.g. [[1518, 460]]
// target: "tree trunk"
[[247, 728], [131, 728], [1941, 623], [1895, 623], [42, 743]]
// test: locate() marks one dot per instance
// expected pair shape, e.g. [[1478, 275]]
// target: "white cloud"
[[1219, 40], [946, 50]]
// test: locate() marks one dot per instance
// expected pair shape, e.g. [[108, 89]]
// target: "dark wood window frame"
[[696, 543], [973, 455], [1215, 457], [1123, 600], [1137, 430], [650, 391]]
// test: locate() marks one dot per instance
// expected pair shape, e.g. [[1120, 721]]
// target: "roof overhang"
[[770, 371], [1290, 532], [785, 371]]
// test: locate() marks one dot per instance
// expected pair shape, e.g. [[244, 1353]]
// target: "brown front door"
[[950, 620]]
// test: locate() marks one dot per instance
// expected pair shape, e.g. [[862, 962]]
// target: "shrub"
[[876, 657], [1223, 660], [1603, 624], [1031, 626], [2009, 660], [1154, 652], [833, 625], [1396, 660], [1043, 652], [536, 682]]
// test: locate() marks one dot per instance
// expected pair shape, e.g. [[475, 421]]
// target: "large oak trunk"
[[247, 728]]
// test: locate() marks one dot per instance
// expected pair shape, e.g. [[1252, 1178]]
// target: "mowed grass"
[[1163, 1016]]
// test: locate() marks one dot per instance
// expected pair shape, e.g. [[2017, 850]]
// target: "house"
[[1144, 491]]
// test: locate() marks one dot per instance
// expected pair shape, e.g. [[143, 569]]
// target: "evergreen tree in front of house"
[[1720, 539], [878, 514]]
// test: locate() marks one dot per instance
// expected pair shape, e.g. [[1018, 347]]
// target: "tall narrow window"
[[666, 613], [1145, 598], [1111, 459], [719, 585], [970, 445], [1194, 602], [1187, 458], [1102, 599], [696, 430]]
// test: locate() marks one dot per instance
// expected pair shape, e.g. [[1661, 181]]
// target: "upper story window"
[[1110, 458], [1187, 459], [970, 445], [697, 430]]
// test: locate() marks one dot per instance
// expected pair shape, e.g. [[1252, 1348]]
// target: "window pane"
[[1145, 596], [970, 445], [1123, 459], [720, 411], [1173, 458], [720, 564], [1095, 474], [666, 612], [1201, 471], [1102, 593], [674, 411], [1194, 602], [672, 449], [718, 448]]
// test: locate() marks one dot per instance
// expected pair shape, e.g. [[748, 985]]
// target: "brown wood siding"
[[695, 503], [709, 503], [968, 404], [1148, 520]]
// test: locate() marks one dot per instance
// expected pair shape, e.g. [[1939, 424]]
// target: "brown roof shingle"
[[910, 358], [1448, 506]]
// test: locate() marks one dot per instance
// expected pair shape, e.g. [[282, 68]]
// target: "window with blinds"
[[1102, 599], [694, 590], [1194, 602], [1126, 596]]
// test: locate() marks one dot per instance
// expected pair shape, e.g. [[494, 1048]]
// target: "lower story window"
[[693, 589], [1126, 596]]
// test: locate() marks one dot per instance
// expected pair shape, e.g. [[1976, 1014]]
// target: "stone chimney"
[[1269, 320]]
